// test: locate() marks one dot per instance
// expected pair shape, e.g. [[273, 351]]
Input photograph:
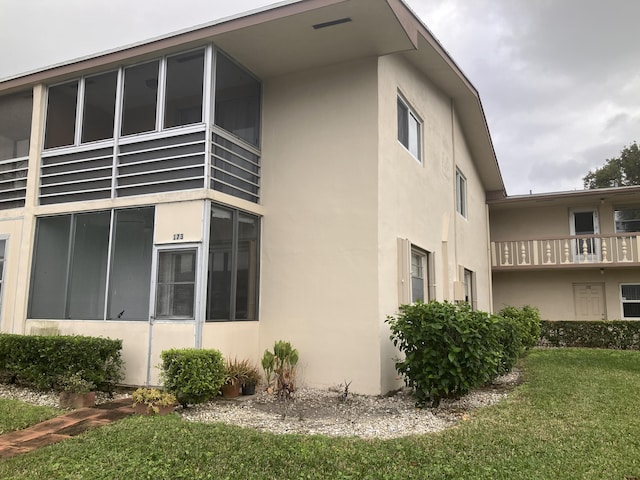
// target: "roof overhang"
[[282, 39]]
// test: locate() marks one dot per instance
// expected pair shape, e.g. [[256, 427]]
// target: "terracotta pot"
[[77, 400], [144, 409], [231, 390]]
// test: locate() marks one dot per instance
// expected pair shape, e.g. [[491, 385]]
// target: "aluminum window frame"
[[411, 114], [461, 193], [623, 301]]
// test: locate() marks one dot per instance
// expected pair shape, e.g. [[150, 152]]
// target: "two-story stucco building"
[[575, 255], [296, 174]]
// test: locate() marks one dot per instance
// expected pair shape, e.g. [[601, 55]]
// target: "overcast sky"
[[559, 79]]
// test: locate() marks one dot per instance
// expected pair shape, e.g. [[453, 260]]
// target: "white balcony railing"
[[566, 251]]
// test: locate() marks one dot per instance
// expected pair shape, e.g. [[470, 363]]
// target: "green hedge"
[[192, 375], [614, 334], [41, 361]]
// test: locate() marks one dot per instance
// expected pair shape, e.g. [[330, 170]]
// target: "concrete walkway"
[[63, 427]]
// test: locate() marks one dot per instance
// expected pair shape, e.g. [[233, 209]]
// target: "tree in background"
[[617, 172]]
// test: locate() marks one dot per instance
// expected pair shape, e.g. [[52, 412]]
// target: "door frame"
[[197, 307], [594, 255]]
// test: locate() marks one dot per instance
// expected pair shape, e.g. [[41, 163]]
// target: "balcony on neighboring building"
[[575, 251]]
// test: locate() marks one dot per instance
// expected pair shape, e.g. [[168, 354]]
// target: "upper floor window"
[[461, 193], [627, 219], [409, 129], [237, 105], [15, 125]]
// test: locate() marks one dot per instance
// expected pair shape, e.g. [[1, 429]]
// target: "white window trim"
[[623, 301], [461, 193], [411, 112]]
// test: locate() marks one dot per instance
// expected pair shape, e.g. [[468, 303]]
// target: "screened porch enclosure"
[[147, 128]]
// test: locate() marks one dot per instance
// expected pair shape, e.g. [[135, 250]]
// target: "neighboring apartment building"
[[575, 255], [296, 174]]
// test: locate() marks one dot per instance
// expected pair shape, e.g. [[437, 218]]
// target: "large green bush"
[[192, 375], [41, 361], [448, 348]]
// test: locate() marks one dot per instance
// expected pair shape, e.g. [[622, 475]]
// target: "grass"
[[576, 417], [16, 415]]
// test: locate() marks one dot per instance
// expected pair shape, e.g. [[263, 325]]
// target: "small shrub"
[[511, 346], [192, 375], [282, 363], [449, 349], [528, 319], [153, 398]]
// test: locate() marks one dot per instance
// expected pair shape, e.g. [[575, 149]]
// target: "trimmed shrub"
[[41, 361], [528, 319], [449, 349], [192, 375], [613, 334]]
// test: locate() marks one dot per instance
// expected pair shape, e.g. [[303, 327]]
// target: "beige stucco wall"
[[319, 245], [552, 290], [417, 200], [11, 230]]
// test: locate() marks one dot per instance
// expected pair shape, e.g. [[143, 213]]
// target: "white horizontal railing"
[[573, 250]]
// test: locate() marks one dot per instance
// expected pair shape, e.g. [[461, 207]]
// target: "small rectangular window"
[[630, 296], [99, 107], [237, 100], [461, 193], [627, 219], [15, 129], [409, 129], [469, 288], [140, 98], [183, 96], [61, 115], [175, 295], [418, 271]]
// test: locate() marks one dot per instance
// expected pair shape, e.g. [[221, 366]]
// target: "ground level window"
[[418, 269], [232, 286], [469, 288], [93, 266], [630, 295]]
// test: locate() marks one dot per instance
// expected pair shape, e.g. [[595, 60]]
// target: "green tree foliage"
[[622, 171]]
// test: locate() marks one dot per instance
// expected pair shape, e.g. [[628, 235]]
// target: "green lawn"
[[15, 415], [576, 417]]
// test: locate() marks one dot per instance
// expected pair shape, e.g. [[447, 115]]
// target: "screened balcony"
[[567, 252], [147, 128]]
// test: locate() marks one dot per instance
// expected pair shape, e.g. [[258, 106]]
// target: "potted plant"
[[149, 401], [251, 379], [234, 376], [76, 391]]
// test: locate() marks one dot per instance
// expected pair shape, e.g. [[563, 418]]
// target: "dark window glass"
[[220, 265], [140, 98], [183, 98], [99, 107], [175, 296], [51, 258], [237, 100], [247, 271], [130, 279], [15, 125], [61, 115], [89, 266]]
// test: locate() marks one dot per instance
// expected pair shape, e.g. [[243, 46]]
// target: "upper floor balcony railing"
[[572, 251]]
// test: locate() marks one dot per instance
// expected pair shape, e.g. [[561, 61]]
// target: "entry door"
[[589, 301], [585, 222], [174, 306]]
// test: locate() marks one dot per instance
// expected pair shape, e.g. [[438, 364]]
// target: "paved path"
[[65, 426]]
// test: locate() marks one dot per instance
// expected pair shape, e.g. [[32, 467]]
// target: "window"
[[15, 133], [61, 115], [418, 270], [630, 296], [469, 288], [99, 107], [232, 289], [85, 269], [627, 219], [183, 97], [175, 291], [237, 105], [140, 98], [409, 129], [461, 193]]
